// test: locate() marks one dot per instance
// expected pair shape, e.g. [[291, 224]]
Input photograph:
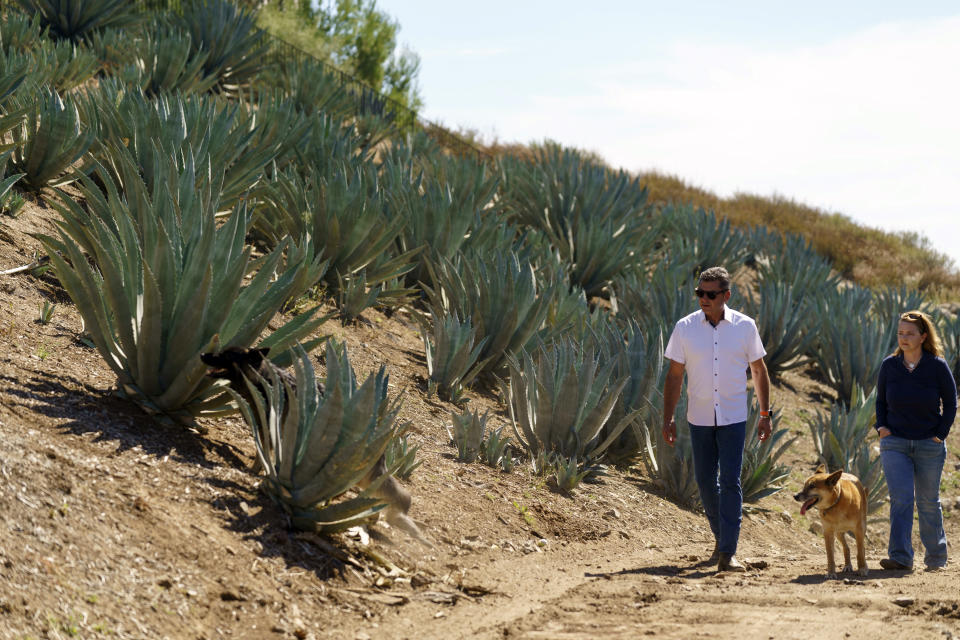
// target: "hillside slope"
[[116, 526]]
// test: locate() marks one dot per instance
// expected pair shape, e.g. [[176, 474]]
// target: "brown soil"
[[116, 526]]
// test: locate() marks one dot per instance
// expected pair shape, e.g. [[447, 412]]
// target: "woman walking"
[[916, 405]]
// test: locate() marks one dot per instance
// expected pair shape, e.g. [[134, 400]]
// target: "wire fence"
[[283, 51]]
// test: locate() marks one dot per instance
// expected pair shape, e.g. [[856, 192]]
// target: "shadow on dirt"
[[93, 411], [692, 572], [256, 517], [849, 578]]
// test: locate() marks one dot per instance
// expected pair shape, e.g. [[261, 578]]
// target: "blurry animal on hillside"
[[236, 364]]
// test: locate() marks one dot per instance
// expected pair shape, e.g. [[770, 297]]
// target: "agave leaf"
[[613, 433], [354, 513], [322, 437], [148, 336]]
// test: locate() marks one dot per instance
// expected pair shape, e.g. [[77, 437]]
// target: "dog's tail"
[[863, 513]]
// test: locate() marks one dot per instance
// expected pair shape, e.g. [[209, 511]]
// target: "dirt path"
[[596, 591]]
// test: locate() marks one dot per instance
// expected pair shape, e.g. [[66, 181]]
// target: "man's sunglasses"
[[710, 294]]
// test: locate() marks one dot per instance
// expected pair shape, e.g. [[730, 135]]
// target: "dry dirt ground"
[[114, 526]]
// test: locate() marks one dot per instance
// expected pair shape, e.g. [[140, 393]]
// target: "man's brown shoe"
[[729, 562], [893, 565]]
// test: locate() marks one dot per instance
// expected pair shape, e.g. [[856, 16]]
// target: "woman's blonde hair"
[[924, 324]]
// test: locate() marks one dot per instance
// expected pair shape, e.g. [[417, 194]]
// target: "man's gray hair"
[[716, 274]]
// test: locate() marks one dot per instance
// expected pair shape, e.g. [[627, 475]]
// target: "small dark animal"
[[234, 364]]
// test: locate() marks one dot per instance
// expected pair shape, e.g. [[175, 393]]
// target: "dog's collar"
[[835, 503]]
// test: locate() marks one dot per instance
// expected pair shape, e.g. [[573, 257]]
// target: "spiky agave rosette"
[[157, 282], [561, 396], [314, 447]]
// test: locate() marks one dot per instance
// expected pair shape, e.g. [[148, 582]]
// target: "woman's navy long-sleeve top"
[[916, 404]]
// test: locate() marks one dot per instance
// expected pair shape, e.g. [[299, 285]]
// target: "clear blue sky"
[[847, 106]]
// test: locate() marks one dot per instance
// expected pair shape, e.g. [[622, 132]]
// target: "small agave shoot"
[[568, 473], [402, 457], [452, 350], [496, 450], [46, 309], [158, 282], [467, 431], [316, 446], [10, 201]]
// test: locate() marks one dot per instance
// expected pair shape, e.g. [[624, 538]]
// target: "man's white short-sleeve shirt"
[[716, 361]]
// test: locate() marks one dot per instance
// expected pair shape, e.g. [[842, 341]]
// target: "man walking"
[[715, 346]]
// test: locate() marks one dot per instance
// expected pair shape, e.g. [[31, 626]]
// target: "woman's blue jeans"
[[717, 457], [912, 469]]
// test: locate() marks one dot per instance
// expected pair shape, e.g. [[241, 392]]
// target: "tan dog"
[[842, 502]]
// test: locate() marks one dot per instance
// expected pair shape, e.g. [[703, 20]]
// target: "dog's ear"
[[834, 477], [210, 359], [257, 356], [821, 469]]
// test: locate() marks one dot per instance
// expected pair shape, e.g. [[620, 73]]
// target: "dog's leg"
[[831, 564], [861, 536], [846, 553]]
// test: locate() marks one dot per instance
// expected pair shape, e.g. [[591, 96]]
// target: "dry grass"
[[868, 256]]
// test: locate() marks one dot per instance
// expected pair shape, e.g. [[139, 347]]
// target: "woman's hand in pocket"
[[883, 432]]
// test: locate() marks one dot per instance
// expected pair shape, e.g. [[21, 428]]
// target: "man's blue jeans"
[[717, 457], [913, 467]]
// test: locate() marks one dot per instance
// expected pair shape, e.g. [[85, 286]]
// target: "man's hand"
[[883, 432], [764, 428], [670, 431], [761, 384], [671, 395]]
